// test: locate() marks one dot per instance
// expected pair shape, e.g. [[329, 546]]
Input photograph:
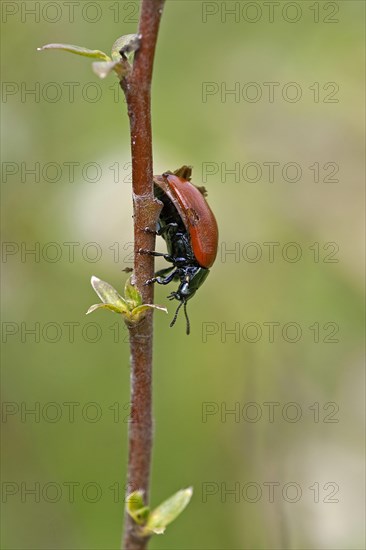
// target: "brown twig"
[[146, 210]]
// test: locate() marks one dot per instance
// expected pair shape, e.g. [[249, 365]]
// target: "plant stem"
[[146, 210]]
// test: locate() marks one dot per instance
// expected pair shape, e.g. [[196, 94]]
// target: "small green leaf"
[[136, 508], [132, 294], [108, 294], [167, 512], [135, 501], [111, 307], [128, 43], [130, 307], [96, 54], [104, 68]]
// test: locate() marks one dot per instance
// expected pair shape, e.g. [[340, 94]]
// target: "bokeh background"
[[313, 438]]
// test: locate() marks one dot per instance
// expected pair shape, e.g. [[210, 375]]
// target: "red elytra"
[[196, 214]]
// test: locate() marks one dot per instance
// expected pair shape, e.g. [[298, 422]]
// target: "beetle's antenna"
[[188, 324], [188, 329], [176, 314]]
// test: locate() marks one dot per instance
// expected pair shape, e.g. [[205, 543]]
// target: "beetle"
[[189, 228]]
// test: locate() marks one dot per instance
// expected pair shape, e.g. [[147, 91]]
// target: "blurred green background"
[[312, 434]]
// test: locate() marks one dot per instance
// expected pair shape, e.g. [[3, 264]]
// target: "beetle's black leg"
[[167, 257], [162, 280], [164, 272], [161, 230]]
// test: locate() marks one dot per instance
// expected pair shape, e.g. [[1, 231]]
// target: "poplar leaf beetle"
[[190, 231]]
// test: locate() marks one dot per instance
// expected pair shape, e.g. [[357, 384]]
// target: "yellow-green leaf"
[[167, 512], [111, 307], [78, 50], [132, 294], [107, 293], [136, 508]]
